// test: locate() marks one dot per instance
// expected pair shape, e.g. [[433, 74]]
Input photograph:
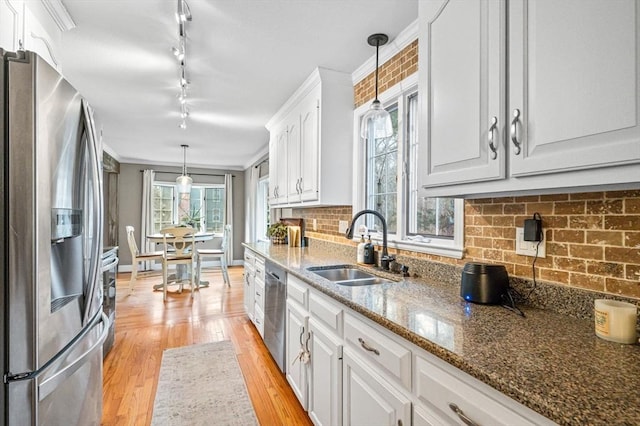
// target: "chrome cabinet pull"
[[466, 420], [367, 347], [514, 130], [300, 185], [492, 129], [301, 334]]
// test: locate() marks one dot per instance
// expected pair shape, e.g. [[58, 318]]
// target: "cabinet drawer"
[[380, 349], [297, 291], [258, 320], [259, 267], [329, 313], [259, 294], [249, 259], [442, 388]]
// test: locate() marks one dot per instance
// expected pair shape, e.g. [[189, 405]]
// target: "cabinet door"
[[309, 149], [293, 156], [278, 167], [325, 376], [11, 24], [369, 399], [574, 77], [296, 337], [248, 293], [462, 80]]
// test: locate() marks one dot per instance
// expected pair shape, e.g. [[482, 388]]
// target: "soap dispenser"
[[360, 250], [369, 254]]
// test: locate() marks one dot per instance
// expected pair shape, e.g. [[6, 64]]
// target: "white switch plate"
[[315, 224], [342, 226], [528, 248]]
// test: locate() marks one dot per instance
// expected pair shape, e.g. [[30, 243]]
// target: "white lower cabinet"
[[368, 398], [360, 373], [297, 340], [249, 289], [325, 375], [447, 395]]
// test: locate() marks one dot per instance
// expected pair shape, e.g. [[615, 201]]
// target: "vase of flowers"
[[277, 232]]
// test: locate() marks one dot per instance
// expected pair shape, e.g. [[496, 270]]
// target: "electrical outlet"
[[528, 248], [315, 224], [342, 226]]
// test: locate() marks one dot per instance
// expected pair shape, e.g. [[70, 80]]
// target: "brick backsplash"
[[592, 239], [396, 69]]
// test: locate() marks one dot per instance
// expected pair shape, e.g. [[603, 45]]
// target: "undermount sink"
[[347, 275]]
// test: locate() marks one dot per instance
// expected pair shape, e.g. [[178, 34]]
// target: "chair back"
[[131, 239], [180, 239], [226, 233]]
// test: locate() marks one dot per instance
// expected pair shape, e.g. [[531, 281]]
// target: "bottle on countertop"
[[360, 250], [369, 252]]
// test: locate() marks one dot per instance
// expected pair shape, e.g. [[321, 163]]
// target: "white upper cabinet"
[[311, 143], [278, 166], [11, 24], [574, 72], [566, 105], [462, 84]]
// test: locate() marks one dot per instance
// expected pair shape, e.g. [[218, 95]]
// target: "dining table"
[[181, 270]]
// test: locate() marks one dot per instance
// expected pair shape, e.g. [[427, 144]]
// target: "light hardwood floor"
[[145, 326]]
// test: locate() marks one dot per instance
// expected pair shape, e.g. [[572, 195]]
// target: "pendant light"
[[377, 121], [183, 183]]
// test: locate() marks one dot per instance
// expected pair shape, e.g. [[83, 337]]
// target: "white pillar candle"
[[615, 321]]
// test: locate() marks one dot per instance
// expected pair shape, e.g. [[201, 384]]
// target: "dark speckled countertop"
[[552, 363]]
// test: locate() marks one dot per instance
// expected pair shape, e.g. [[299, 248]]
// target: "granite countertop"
[[552, 363]]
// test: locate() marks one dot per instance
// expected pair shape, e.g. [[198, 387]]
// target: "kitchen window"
[[388, 181], [203, 208]]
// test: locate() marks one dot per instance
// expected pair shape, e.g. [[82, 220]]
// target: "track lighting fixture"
[[376, 123], [183, 13]]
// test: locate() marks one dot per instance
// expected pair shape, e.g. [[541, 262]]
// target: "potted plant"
[[277, 232], [191, 218]]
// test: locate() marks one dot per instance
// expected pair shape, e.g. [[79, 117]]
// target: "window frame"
[[262, 208], [449, 247], [176, 202]]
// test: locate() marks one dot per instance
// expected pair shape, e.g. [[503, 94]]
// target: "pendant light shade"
[[183, 182], [376, 123]]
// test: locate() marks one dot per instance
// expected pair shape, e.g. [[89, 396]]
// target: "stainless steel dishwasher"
[[275, 299]]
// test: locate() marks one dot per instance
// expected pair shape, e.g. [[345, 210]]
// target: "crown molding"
[[388, 51], [59, 14]]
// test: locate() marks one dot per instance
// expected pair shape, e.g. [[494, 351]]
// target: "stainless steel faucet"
[[385, 260]]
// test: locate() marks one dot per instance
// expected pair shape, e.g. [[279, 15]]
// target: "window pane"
[[428, 216], [214, 209], [163, 212], [382, 176]]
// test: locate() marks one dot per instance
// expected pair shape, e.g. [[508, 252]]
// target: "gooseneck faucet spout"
[[385, 259]]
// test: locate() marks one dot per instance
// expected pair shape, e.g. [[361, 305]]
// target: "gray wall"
[[130, 202]]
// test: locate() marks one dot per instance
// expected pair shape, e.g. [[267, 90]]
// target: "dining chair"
[[178, 243], [220, 254], [137, 257]]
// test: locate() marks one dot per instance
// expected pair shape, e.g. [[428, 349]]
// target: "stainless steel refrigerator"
[[52, 326]]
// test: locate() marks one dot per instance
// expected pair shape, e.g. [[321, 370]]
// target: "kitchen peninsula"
[[551, 363]]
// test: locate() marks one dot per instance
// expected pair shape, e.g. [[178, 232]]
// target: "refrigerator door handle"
[[49, 385], [28, 375], [97, 207]]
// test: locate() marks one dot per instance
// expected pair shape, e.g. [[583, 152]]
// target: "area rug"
[[202, 385]]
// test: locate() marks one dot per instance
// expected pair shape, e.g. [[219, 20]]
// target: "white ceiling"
[[244, 59]]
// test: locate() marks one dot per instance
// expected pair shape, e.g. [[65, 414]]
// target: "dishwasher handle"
[[273, 275]]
